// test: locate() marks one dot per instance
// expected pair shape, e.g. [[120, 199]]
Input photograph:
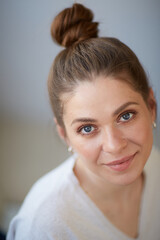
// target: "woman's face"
[[109, 125]]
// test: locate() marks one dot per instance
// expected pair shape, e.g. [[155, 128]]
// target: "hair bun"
[[73, 25]]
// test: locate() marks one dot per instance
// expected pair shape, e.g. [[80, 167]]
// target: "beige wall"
[[28, 152]]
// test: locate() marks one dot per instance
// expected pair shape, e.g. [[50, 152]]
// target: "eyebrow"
[[85, 120], [92, 120], [121, 108]]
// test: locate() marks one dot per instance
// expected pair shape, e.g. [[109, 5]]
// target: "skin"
[[100, 105], [105, 121]]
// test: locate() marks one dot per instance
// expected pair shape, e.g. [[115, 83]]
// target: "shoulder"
[[44, 204], [49, 185], [152, 178], [151, 195]]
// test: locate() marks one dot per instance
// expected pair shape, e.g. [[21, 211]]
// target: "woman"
[[105, 111]]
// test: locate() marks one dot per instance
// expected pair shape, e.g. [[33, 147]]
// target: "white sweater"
[[57, 208]]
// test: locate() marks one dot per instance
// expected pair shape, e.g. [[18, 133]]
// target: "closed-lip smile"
[[121, 164], [122, 160]]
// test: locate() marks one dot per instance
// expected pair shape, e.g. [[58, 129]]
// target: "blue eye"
[[126, 116], [87, 130]]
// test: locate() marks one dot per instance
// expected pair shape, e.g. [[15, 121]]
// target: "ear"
[[60, 130], [152, 104]]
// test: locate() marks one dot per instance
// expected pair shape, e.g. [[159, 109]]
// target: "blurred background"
[[29, 145]]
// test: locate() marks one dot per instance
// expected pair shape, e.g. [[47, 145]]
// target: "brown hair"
[[86, 56]]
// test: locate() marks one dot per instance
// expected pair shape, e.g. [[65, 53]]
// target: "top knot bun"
[[73, 25]]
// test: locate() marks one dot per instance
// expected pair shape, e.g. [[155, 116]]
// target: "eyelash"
[[127, 112], [118, 120], [82, 128]]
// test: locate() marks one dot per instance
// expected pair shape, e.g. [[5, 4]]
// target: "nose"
[[114, 140]]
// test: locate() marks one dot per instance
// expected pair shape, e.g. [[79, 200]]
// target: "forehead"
[[103, 94]]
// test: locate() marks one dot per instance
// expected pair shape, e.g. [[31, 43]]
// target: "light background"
[[29, 144]]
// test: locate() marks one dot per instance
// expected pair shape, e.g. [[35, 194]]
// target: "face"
[[109, 125]]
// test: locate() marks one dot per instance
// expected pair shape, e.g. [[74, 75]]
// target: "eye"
[[86, 130], [126, 116]]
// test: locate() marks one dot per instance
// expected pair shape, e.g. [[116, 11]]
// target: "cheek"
[[87, 148], [141, 133]]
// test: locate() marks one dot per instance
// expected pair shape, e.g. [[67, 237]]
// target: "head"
[[88, 58]]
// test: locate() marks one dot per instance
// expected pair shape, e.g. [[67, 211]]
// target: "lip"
[[122, 164]]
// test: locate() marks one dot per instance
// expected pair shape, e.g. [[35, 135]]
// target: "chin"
[[126, 179]]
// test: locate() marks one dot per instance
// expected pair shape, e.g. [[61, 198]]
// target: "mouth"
[[122, 164]]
